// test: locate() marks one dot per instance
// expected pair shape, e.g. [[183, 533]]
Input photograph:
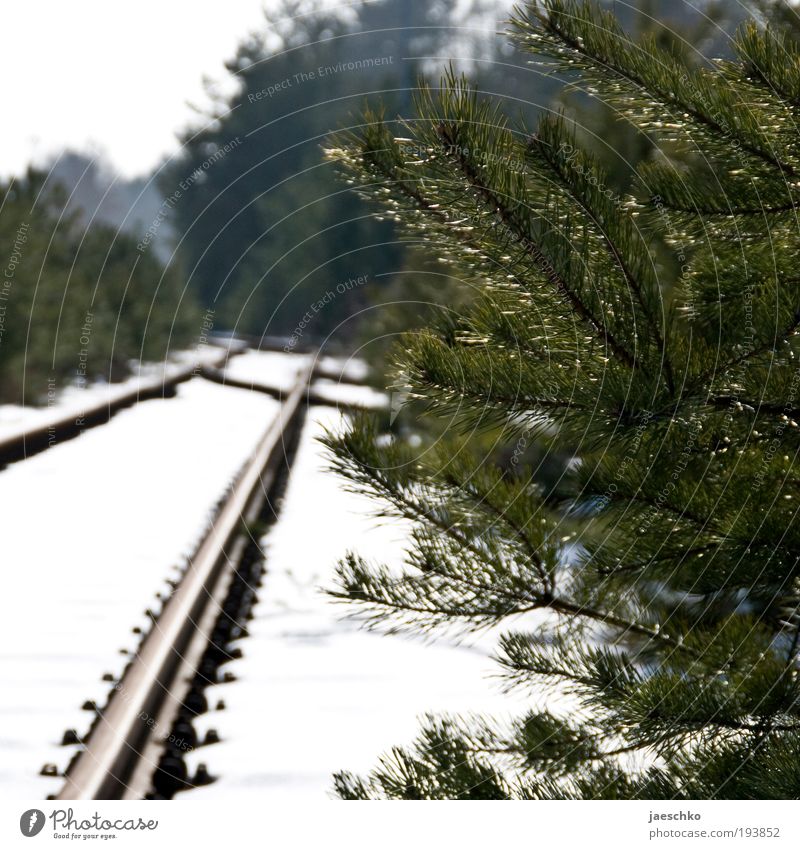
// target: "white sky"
[[114, 77], [110, 76]]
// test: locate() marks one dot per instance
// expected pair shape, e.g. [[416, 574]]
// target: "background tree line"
[[80, 300]]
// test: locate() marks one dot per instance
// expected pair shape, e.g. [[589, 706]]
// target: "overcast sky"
[[110, 76]]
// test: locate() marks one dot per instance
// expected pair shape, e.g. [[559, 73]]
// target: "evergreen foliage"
[[654, 592], [78, 300]]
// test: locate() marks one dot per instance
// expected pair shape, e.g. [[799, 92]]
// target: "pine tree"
[[653, 594]]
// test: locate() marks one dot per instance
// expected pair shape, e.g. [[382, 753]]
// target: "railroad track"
[[132, 750], [65, 425]]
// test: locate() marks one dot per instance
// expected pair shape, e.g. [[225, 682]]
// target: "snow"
[[316, 694], [350, 369], [92, 528], [349, 394], [267, 368]]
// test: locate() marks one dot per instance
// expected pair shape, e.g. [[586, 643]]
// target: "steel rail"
[[120, 753]]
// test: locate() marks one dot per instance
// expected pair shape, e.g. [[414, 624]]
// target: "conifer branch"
[[560, 605], [676, 626], [498, 207], [558, 18], [725, 402], [546, 152], [759, 350]]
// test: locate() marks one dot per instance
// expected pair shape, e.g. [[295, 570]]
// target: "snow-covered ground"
[[92, 529], [267, 368], [352, 368], [316, 694], [73, 400]]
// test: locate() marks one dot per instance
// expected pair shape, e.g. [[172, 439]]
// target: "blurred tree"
[[82, 301], [264, 229]]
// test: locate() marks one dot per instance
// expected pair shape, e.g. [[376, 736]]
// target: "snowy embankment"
[[333, 388], [271, 368]]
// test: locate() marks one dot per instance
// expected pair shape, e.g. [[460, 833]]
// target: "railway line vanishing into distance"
[[135, 746]]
